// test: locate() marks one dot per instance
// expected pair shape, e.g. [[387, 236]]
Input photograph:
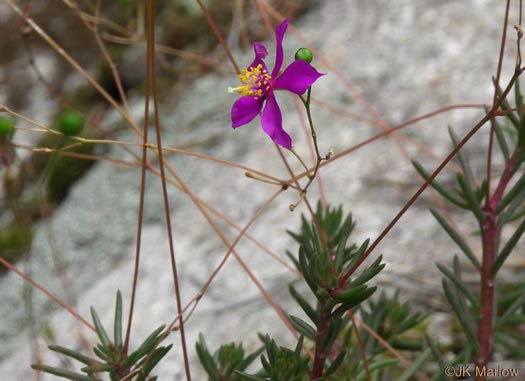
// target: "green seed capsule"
[[6, 126], [71, 123], [304, 54]]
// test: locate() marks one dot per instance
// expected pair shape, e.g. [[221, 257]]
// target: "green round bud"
[[71, 123], [6, 126], [322, 293], [304, 54]]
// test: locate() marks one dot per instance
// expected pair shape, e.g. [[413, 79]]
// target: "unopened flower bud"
[[304, 54], [7, 126], [71, 123]]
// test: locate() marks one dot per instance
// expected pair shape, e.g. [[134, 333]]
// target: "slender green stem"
[[301, 161], [308, 113], [311, 178]]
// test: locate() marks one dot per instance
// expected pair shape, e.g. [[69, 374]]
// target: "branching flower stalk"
[[311, 177]]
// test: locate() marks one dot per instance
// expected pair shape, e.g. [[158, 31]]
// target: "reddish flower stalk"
[[320, 355], [489, 233]]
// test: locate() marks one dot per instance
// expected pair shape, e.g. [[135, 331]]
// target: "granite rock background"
[[407, 58]]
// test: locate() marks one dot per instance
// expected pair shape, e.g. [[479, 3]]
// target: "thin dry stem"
[[223, 261], [219, 35], [43, 129], [212, 63], [380, 122], [151, 59], [141, 202], [388, 346], [48, 294], [381, 135], [110, 62], [73, 63], [171, 181], [431, 178], [360, 342], [495, 99]]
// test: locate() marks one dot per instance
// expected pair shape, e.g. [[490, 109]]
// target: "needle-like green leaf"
[[511, 195], [500, 137], [73, 354], [117, 329], [438, 187], [467, 328], [104, 339], [62, 373], [459, 284], [507, 249], [415, 365], [312, 314], [456, 238], [463, 162], [302, 327], [471, 199]]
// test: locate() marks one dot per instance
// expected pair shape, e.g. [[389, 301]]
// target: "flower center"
[[255, 81]]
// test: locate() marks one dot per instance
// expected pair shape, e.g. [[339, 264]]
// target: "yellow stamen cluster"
[[255, 80]]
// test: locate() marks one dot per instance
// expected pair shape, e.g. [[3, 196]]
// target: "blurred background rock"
[[407, 58]]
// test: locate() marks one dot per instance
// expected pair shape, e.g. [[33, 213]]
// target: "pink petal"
[[279, 35], [272, 122], [260, 50], [244, 110], [260, 53], [297, 77]]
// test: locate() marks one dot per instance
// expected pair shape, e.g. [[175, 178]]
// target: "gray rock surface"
[[406, 57]]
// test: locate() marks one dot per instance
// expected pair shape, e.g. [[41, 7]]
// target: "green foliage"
[[407, 374], [227, 363], [463, 314], [503, 206], [392, 320], [324, 255], [114, 360], [325, 259], [396, 323], [281, 363], [508, 329], [456, 238]]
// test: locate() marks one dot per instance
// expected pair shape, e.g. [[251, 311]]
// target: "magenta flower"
[[258, 85]]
